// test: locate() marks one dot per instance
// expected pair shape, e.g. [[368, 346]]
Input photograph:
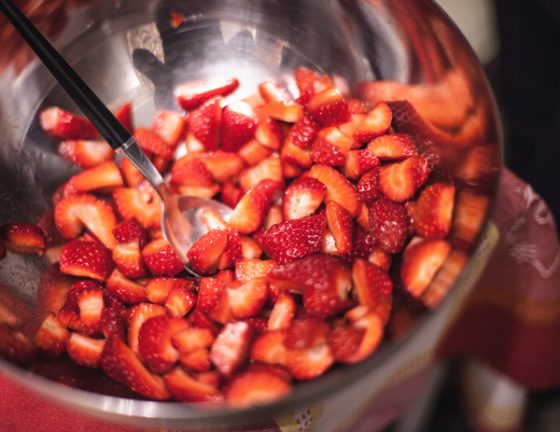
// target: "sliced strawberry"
[[113, 319], [358, 163], [273, 91], [282, 312], [309, 363], [286, 111], [392, 147], [85, 153], [339, 189], [65, 125], [130, 173], [232, 252], [152, 143], [192, 339], [248, 298], [268, 169], [445, 278], [303, 132], [389, 224], [90, 305], [268, 132], [23, 238], [373, 326], [103, 177], [399, 181], [73, 213], [170, 126], [331, 147], [344, 341], [239, 124], [124, 114], [306, 333], [368, 187], [352, 126], [249, 213], [84, 350], [273, 217], [357, 106], [86, 258], [250, 248], [294, 239], [123, 365], [231, 194], [380, 258], [269, 348], [209, 292], [180, 301], [124, 289], [248, 269], [254, 152], [52, 336], [329, 108], [373, 287], [431, 214], [128, 258], [187, 388], [130, 231], [223, 166], [198, 361], [303, 197], [204, 126], [340, 224], [154, 342], [295, 155], [376, 123], [157, 289], [421, 261], [161, 259], [310, 83], [256, 388], [471, 209], [139, 314], [230, 348], [204, 255], [16, 346], [192, 94]]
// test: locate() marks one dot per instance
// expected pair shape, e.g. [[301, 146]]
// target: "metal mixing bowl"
[[127, 50]]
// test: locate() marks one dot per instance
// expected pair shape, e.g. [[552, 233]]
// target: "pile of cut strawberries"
[[333, 212]]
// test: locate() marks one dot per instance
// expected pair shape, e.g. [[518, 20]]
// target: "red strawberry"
[[230, 348], [231, 194], [339, 189], [389, 224], [351, 126], [204, 255], [331, 147], [248, 269], [223, 166], [188, 388], [376, 123], [103, 177], [180, 301], [431, 214], [191, 94], [282, 312], [250, 249], [254, 152], [169, 126], [471, 209], [161, 259], [295, 155], [90, 304], [373, 287], [420, 263], [192, 339], [249, 213], [359, 162], [269, 348], [248, 298], [209, 292], [74, 212], [232, 252], [204, 126], [124, 289], [273, 91], [157, 289], [306, 364], [303, 197], [303, 132], [310, 83], [273, 217], [238, 125], [392, 147], [16, 346], [368, 187], [23, 238], [128, 258], [399, 181], [267, 169], [189, 171], [268, 132], [113, 319], [344, 341], [51, 337], [306, 333], [130, 173], [380, 258], [357, 106], [86, 258], [124, 114], [85, 153], [286, 111], [137, 316], [130, 231], [444, 279], [84, 350], [152, 143], [123, 365], [373, 326], [329, 108], [294, 239], [65, 125], [340, 224], [256, 388]]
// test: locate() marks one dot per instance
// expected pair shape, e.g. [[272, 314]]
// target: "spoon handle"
[[95, 110]]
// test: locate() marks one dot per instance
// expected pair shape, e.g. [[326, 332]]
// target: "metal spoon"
[[181, 215]]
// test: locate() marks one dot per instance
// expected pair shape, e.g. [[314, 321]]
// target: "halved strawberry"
[[85, 153], [139, 314], [269, 348], [309, 363], [471, 209], [380, 258], [152, 143], [373, 287], [51, 337], [223, 166], [310, 83], [86, 258], [130, 231], [157, 289], [351, 126], [84, 350], [368, 187], [282, 312], [247, 269], [128, 258], [161, 259], [249, 213], [247, 298], [213, 299], [113, 318], [358, 163], [340, 224], [267, 169], [16, 346], [392, 147], [170, 126], [71, 214], [232, 252], [190, 95], [273, 91], [250, 249], [204, 255], [180, 301], [339, 189], [239, 124], [420, 263], [329, 108], [154, 342], [230, 349], [295, 155], [192, 339], [187, 388], [390, 224], [268, 132], [294, 239], [198, 361], [303, 197], [286, 111], [306, 333], [254, 152], [103, 177], [90, 304], [204, 126], [23, 238], [273, 217], [399, 181], [126, 290], [431, 213], [231, 194], [373, 326], [303, 132], [256, 388], [376, 123], [331, 147], [445, 278], [65, 125], [344, 341], [142, 203], [120, 363], [130, 173]]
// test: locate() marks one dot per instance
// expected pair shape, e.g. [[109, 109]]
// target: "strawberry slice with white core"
[[282, 312], [190, 95], [169, 126], [192, 339], [85, 153], [84, 350], [376, 123], [52, 336], [373, 287], [23, 238], [102, 178], [239, 124], [223, 166], [340, 224], [286, 111], [180, 301], [254, 152], [359, 162], [309, 363], [250, 248], [230, 349], [331, 147], [65, 125], [137, 316], [157, 289], [187, 388], [249, 213], [303, 197], [373, 326], [392, 147], [329, 108], [269, 348], [248, 298], [128, 258], [161, 259], [339, 189], [399, 181], [248, 269], [204, 255], [256, 388], [268, 132], [87, 259], [296, 156], [431, 214], [126, 290], [267, 169], [204, 126]]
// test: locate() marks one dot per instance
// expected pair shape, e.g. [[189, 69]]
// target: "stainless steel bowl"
[[127, 50]]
